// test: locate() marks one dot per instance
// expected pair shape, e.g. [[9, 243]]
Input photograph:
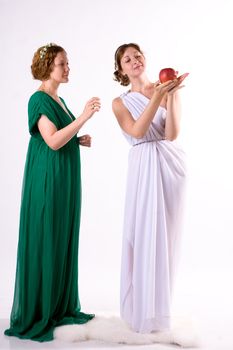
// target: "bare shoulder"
[[116, 103], [119, 109]]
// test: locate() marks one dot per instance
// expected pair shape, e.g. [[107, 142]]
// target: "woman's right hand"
[[92, 106]]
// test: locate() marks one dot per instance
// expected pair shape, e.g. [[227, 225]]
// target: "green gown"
[[46, 285]]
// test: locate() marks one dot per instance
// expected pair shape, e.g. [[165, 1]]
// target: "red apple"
[[167, 74]]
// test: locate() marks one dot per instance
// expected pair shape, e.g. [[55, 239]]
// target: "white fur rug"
[[114, 330]]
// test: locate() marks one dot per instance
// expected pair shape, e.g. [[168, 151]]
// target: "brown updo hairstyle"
[[43, 59], [118, 76]]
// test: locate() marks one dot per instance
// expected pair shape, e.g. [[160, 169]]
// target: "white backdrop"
[[191, 36]]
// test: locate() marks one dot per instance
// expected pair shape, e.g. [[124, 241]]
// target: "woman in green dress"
[[46, 285]]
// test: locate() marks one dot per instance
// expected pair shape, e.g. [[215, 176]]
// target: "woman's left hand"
[[85, 140], [178, 82]]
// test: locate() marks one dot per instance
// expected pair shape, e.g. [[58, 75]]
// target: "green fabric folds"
[[46, 286]]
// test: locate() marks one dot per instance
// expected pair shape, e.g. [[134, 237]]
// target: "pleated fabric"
[[152, 224], [46, 285]]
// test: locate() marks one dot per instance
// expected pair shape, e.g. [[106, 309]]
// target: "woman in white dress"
[[149, 116]]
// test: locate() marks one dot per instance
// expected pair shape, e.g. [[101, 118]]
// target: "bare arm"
[[56, 139], [138, 128], [172, 126]]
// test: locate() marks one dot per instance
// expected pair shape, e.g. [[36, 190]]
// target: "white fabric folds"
[[152, 222]]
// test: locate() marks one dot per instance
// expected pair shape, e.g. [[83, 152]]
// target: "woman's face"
[[60, 72], [133, 62]]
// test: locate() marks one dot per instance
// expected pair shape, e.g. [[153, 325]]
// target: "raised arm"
[[172, 126], [138, 128], [56, 139]]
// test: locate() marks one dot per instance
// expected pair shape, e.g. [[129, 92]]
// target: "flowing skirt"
[[152, 230]]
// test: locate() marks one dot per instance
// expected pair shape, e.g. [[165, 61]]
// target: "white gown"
[[152, 222]]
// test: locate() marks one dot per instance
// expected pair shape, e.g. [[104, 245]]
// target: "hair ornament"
[[44, 50]]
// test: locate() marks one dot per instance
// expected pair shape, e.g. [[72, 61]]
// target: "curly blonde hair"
[[43, 59], [118, 76]]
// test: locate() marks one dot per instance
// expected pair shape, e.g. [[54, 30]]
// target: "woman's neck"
[[141, 85], [50, 88]]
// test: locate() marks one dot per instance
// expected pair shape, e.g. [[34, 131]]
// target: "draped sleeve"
[[40, 104]]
